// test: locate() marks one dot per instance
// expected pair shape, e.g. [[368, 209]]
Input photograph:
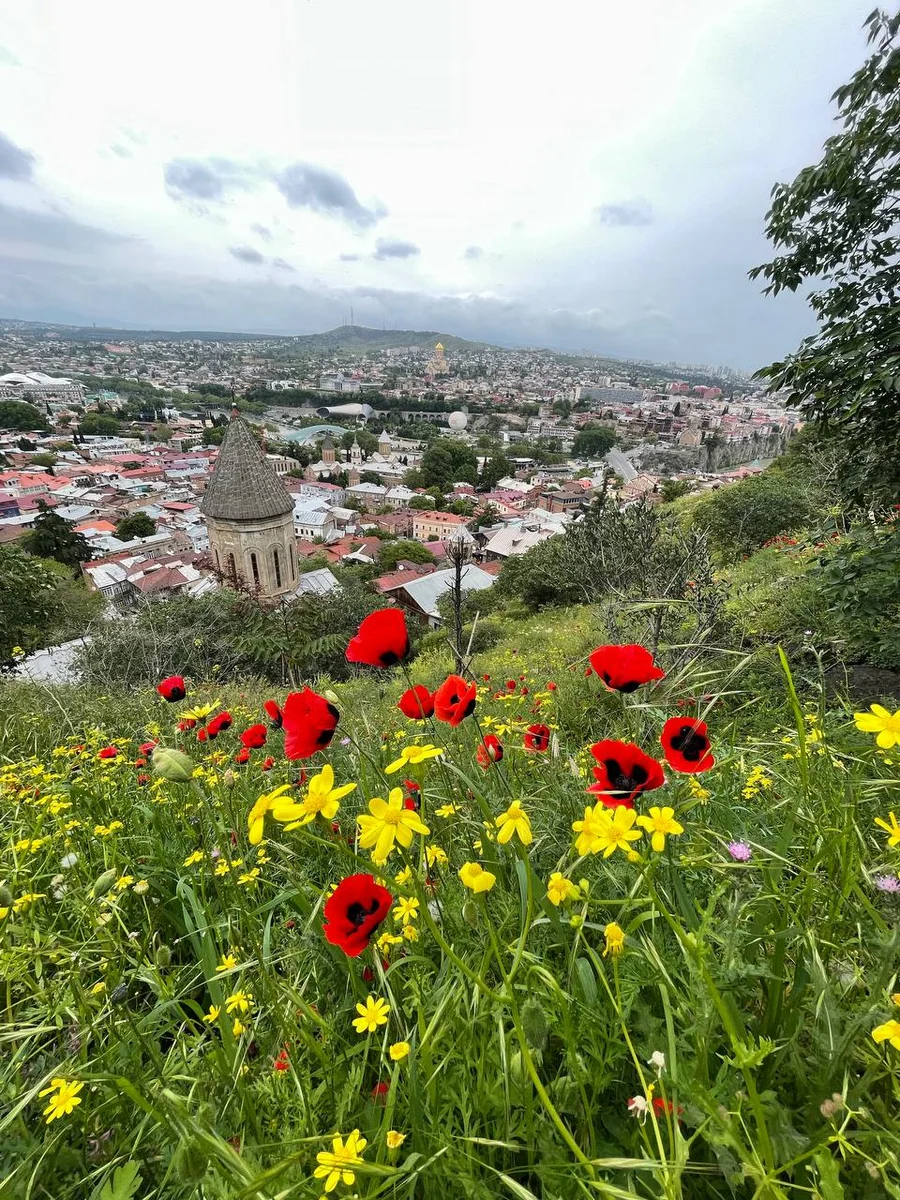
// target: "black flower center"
[[389, 658], [358, 914], [630, 686], [622, 783], [690, 744]]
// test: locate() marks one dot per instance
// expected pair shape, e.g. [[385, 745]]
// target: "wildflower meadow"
[[587, 920]]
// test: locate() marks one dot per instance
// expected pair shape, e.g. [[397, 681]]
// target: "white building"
[[19, 386]]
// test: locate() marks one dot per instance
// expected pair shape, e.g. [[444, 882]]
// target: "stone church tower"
[[250, 516]]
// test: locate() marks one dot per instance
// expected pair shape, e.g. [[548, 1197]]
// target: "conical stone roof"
[[243, 486]]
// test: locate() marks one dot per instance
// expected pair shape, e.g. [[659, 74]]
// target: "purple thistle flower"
[[887, 883], [739, 851]]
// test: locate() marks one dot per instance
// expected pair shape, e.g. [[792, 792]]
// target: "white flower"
[[68, 860], [434, 908], [638, 1107], [657, 1060]]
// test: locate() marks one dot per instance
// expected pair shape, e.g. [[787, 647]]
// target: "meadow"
[[420, 959]]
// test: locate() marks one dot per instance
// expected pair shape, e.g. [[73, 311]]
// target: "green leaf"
[[120, 1184]]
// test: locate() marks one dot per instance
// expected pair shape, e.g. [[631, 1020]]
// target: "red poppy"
[[382, 640], [218, 724], [661, 1106], [243, 755], [353, 912], [454, 700], [380, 1091], [686, 745], [536, 737], [486, 678], [147, 748], [109, 752], [523, 691], [143, 780], [625, 771], [510, 685], [309, 723], [254, 738], [551, 686], [411, 785], [203, 734], [282, 1062], [267, 764], [417, 703], [625, 668], [272, 710], [184, 726], [172, 689], [490, 751], [412, 801], [140, 762]]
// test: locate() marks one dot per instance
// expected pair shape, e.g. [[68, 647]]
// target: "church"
[[250, 517]]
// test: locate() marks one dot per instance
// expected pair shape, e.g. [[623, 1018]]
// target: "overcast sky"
[[586, 174]]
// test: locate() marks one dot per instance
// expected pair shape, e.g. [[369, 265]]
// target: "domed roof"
[[243, 486]]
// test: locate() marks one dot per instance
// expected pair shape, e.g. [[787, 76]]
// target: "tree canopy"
[[445, 462], [55, 537], [16, 414], [594, 441], [138, 525]]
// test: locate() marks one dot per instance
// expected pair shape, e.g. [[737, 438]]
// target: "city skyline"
[[598, 183]]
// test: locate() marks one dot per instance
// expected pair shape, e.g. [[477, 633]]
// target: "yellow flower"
[[371, 1014], [514, 820], [475, 877], [238, 1027], [239, 1001], [612, 831], [199, 713], [227, 962], [194, 857], [885, 724], [213, 1014], [446, 810], [249, 878], [696, 788], [98, 988], [410, 933], [615, 939], [256, 818], [398, 1051], [394, 1139], [404, 876], [435, 855], [322, 797], [387, 940], [412, 756], [26, 900], [662, 824], [560, 889], [335, 1165], [407, 909], [123, 882], [387, 823], [893, 829], [64, 1098], [888, 1032]]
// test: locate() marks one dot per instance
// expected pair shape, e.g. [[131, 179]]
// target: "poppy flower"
[[219, 724], [147, 748], [143, 780], [380, 1091], [272, 710], [686, 745], [411, 785], [551, 686], [282, 1062], [184, 726], [353, 912], [411, 803], [454, 700], [625, 668], [267, 764], [417, 703], [243, 755], [140, 762], [309, 723], [109, 752], [536, 737], [510, 685], [254, 738], [172, 689], [625, 771], [203, 734], [382, 640], [490, 751]]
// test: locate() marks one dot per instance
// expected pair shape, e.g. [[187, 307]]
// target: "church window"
[[277, 563], [254, 566], [232, 570]]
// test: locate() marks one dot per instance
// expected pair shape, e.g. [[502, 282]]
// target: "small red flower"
[[243, 755], [172, 689], [272, 709], [587, 672], [411, 802], [143, 780], [109, 752], [551, 686], [380, 1091], [486, 678], [382, 640], [309, 723], [625, 771], [147, 748], [140, 762], [203, 734], [536, 737], [184, 726], [625, 668], [218, 724], [454, 700], [267, 764], [523, 691], [661, 1106], [411, 785], [353, 912], [417, 703], [254, 738], [282, 1062], [489, 752], [686, 745], [510, 685]]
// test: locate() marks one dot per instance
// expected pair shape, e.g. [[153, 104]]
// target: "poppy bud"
[[173, 765], [470, 913], [228, 778], [163, 956], [104, 883], [6, 897], [119, 994], [534, 1023], [290, 924]]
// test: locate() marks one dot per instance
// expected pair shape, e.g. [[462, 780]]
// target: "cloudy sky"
[[588, 174]]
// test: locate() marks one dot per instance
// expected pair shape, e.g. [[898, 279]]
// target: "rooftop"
[[243, 486]]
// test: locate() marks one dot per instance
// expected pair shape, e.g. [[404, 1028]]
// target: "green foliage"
[[674, 489], [594, 441], [836, 227], [859, 578], [138, 525], [445, 462], [391, 552], [17, 414], [54, 537], [744, 516], [368, 442], [47, 460], [495, 468], [27, 590], [95, 423]]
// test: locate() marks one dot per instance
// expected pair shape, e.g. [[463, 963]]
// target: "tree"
[[390, 553], [368, 442], [369, 477], [162, 433], [98, 425], [138, 525], [54, 537], [15, 414], [837, 226], [495, 468], [594, 441], [445, 462], [672, 489], [745, 516], [43, 460], [26, 602]]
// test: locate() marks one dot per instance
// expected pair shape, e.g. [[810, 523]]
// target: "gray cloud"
[[54, 231], [15, 163], [473, 252], [121, 151], [247, 254], [280, 265], [350, 257], [627, 212], [304, 185], [262, 231], [205, 179], [394, 248]]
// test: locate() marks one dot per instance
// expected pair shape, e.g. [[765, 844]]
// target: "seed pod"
[[104, 883], [173, 765], [163, 956], [534, 1022], [470, 913]]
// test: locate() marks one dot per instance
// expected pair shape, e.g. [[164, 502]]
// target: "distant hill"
[[361, 337]]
